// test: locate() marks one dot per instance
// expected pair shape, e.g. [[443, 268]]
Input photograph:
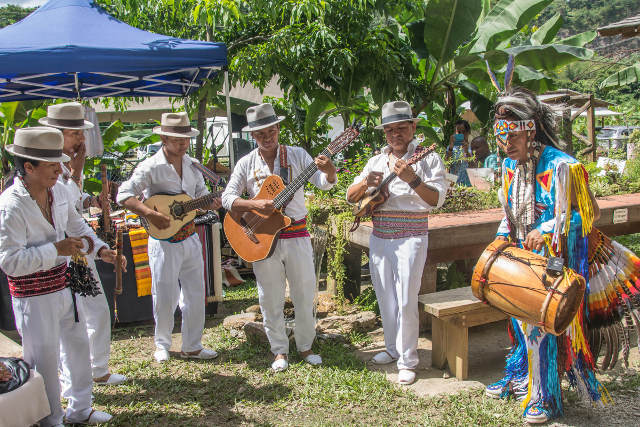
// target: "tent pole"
[[75, 76], [229, 130]]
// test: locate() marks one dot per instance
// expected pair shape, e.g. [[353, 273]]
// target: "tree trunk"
[[202, 110]]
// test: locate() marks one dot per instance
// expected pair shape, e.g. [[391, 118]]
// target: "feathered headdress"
[[508, 75]]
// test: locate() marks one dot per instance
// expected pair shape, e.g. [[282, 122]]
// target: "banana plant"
[[13, 116], [454, 39]]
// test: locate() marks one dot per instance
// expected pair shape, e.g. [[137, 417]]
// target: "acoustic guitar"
[[253, 235], [374, 197], [180, 208]]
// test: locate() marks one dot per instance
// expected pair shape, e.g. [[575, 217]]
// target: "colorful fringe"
[[400, 224], [139, 238], [296, 229]]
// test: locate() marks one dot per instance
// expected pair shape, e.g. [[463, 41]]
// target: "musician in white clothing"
[[398, 244], [177, 266], [292, 258], [69, 118], [36, 215]]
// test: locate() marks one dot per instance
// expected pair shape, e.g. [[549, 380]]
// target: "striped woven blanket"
[[138, 238]]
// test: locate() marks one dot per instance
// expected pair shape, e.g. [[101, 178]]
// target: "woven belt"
[[39, 283], [185, 232], [400, 224], [296, 229]]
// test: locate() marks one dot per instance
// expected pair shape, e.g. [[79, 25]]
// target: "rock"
[[363, 321], [237, 321], [253, 309], [255, 333], [326, 305], [331, 336]]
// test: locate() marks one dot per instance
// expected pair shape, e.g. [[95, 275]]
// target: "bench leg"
[[450, 343]]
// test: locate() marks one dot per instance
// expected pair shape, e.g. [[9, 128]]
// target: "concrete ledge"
[[8, 347]]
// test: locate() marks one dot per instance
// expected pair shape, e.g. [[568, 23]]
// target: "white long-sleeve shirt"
[[27, 238], [251, 171], [156, 175], [402, 197]]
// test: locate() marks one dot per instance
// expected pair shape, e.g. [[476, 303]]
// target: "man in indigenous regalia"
[[398, 244], [69, 118], [550, 210], [36, 215], [292, 257]]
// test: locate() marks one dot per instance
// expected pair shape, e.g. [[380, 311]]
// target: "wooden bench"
[[453, 313]]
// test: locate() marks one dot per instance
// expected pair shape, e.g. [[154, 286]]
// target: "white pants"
[[170, 263], [396, 272], [97, 318], [292, 260], [47, 324]]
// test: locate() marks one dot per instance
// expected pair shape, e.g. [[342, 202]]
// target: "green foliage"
[[13, 116], [460, 198], [11, 14], [367, 301], [336, 247]]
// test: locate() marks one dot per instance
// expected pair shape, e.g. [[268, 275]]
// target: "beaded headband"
[[501, 128]]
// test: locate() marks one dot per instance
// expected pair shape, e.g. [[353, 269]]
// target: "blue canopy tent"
[[73, 49]]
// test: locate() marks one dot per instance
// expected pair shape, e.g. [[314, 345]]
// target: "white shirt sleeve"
[[77, 227], [236, 186], [134, 186], [432, 172], [16, 259]]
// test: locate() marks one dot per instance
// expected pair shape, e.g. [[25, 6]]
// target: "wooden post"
[[202, 110], [591, 128], [567, 125], [427, 286], [353, 279]]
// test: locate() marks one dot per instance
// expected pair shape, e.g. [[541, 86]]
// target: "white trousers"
[[396, 272], [97, 319], [292, 261], [177, 278], [47, 324]]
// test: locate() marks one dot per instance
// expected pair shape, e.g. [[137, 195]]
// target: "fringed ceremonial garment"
[[538, 361]]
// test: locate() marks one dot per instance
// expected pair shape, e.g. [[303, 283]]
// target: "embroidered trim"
[[296, 229], [39, 283], [400, 224], [186, 231]]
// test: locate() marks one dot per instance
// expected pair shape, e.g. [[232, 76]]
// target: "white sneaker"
[[205, 354], [161, 355], [95, 418], [280, 365], [313, 359], [114, 379], [383, 358], [406, 376]]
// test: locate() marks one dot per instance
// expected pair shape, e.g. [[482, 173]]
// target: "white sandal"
[[383, 358]]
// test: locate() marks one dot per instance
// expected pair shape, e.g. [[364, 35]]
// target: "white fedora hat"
[[69, 115], [176, 124], [260, 117], [396, 111], [38, 143]]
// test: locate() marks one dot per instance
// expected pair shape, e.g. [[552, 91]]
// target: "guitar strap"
[[284, 166], [208, 174]]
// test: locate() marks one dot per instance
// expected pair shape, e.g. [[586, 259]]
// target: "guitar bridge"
[[248, 231]]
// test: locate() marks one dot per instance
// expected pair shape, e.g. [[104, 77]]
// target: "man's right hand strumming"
[[69, 246], [159, 220]]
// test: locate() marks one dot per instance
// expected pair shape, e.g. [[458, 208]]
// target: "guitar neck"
[[387, 180], [281, 199], [200, 202]]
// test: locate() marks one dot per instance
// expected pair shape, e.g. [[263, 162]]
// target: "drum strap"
[[547, 300], [487, 266]]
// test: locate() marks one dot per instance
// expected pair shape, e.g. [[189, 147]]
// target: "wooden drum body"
[[515, 281]]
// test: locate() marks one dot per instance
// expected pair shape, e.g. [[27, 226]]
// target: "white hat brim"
[[251, 129], [45, 121], [63, 157], [194, 132], [415, 120]]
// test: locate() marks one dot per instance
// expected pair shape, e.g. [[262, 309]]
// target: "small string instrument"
[[375, 197], [253, 235]]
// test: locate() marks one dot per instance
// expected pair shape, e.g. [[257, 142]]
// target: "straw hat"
[[66, 116], [38, 143], [260, 117], [396, 111], [176, 124]]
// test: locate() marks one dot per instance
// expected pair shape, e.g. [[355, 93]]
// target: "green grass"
[[238, 388]]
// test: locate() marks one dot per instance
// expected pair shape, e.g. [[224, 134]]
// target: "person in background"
[[460, 150]]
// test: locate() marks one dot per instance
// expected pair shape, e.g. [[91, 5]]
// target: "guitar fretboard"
[[281, 199], [200, 202]]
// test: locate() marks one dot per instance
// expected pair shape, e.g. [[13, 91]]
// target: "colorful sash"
[[139, 238], [39, 283], [400, 224], [186, 231], [296, 229]]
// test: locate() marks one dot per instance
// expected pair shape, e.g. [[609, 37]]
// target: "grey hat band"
[[176, 129], [263, 121], [36, 152], [396, 118], [65, 122]]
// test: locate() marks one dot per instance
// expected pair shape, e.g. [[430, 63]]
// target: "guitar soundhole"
[[177, 210]]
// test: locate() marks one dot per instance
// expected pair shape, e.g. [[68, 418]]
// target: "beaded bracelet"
[[415, 183]]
